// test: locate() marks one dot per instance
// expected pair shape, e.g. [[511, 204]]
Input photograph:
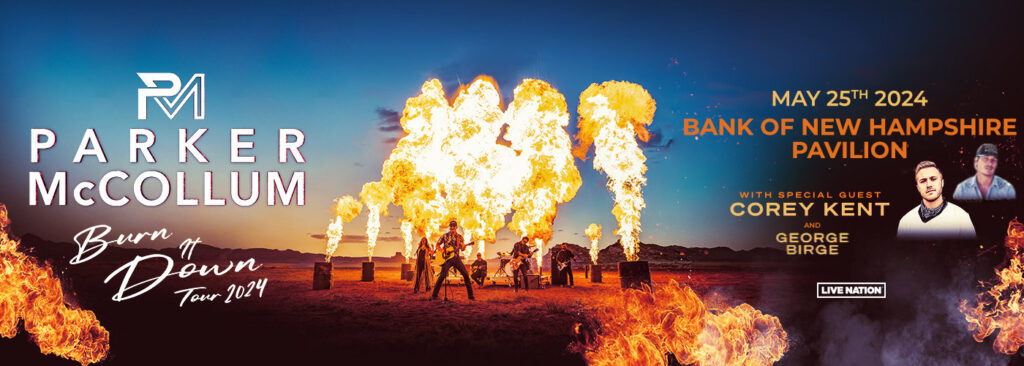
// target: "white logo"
[[851, 290], [195, 89]]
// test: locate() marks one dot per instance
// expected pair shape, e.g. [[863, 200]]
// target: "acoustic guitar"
[[449, 252]]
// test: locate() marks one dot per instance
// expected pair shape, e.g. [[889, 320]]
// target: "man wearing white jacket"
[[934, 218]]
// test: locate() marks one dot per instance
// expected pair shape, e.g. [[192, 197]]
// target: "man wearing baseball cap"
[[985, 184], [452, 242]]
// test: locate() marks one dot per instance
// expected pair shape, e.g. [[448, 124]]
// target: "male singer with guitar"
[[521, 254], [452, 243]]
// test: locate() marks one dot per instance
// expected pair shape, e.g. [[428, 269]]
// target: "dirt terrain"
[[382, 321]]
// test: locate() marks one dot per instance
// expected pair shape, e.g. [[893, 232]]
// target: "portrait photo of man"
[[985, 184], [934, 217]]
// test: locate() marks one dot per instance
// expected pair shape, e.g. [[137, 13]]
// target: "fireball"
[[452, 164], [537, 119]]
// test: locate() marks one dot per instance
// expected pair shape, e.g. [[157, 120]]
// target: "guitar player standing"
[[564, 257], [522, 253], [452, 240]]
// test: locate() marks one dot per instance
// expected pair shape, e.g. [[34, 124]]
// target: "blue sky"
[[328, 68]]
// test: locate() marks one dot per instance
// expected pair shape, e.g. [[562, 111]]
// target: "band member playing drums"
[[452, 242], [503, 260]]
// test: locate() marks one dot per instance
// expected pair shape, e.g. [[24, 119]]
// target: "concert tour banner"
[[548, 183]]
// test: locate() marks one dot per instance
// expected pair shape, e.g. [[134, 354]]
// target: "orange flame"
[[594, 233], [540, 258], [407, 235], [611, 114], [30, 291], [451, 163], [407, 170], [345, 209], [376, 196], [640, 328], [447, 165], [1001, 306], [537, 119]]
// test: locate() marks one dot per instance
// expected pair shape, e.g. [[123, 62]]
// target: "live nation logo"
[[851, 290], [195, 89]]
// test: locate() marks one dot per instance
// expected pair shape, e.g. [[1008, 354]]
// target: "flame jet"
[[376, 196], [594, 233], [537, 119], [407, 235], [1001, 305], [30, 291], [611, 114], [345, 209]]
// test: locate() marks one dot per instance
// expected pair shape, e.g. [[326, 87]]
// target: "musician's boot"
[[469, 292]]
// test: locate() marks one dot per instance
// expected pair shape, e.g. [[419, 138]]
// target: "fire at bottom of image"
[[645, 328], [31, 292], [1001, 305]]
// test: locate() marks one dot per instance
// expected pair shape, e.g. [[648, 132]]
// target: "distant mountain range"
[[62, 252], [674, 254]]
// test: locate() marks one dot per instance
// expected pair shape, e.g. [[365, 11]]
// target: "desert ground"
[[379, 322]]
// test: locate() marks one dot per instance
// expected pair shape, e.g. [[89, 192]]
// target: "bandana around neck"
[[930, 213]]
